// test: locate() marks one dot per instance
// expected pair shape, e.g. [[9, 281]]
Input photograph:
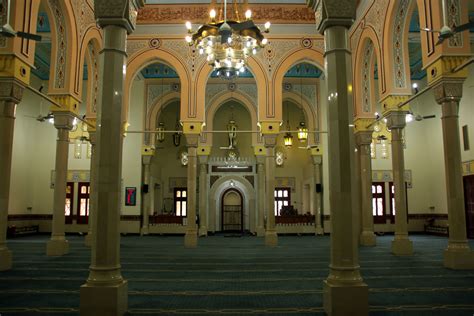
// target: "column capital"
[[63, 120], [443, 68], [11, 90], [333, 13], [192, 140], [270, 140], [203, 159], [391, 103], [92, 137], [192, 127], [448, 91], [362, 124], [269, 127], [121, 13], [259, 150], [148, 151], [317, 159], [204, 151], [363, 138], [146, 160], [260, 159], [68, 103], [396, 119], [12, 67]]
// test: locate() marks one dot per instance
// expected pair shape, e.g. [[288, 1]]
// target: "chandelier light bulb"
[[267, 26], [212, 14], [254, 51], [188, 25], [264, 41], [248, 14], [188, 39]]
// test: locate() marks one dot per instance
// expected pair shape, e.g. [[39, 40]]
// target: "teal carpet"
[[235, 276]]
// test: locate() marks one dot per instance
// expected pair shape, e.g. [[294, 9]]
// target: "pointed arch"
[[368, 51], [218, 101], [261, 80], [299, 56], [144, 58]]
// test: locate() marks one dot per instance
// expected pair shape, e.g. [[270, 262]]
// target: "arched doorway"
[[232, 211]]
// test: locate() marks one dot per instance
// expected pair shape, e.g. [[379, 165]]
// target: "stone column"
[[10, 95], [203, 199], [316, 197], [105, 292], [260, 195], [190, 238], [93, 185], [58, 245], [345, 293], [146, 161], [271, 237], [401, 244], [458, 254], [363, 140]]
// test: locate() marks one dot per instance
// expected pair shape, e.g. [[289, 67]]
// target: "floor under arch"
[[235, 276]]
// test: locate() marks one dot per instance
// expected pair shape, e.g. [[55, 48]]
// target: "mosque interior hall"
[[236, 157]]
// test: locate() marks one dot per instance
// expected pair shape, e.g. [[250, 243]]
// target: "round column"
[[58, 245], [271, 237], [203, 198], [401, 244], [260, 196], [93, 190]]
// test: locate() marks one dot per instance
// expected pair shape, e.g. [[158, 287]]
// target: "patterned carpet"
[[235, 276]]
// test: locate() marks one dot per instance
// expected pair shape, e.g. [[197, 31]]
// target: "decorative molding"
[[3, 20], [84, 13], [155, 92], [61, 44], [448, 91], [454, 19], [398, 44], [367, 77], [134, 46], [94, 76], [275, 52], [197, 13], [286, 182], [188, 55]]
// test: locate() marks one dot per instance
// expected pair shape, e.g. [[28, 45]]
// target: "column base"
[[202, 231], [319, 231], [458, 260], [271, 238], [345, 299], [144, 231], [88, 240], [260, 232], [368, 239], [402, 246], [5, 259], [57, 247], [190, 239], [104, 300]]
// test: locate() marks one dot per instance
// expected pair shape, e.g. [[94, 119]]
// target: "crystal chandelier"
[[228, 43]]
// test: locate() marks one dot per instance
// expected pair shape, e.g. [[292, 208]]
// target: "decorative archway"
[[155, 112], [260, 78], [232, 210], [310, 113], [311, 56], [367, 52], [144, 58], [217, 102], [247, 191]]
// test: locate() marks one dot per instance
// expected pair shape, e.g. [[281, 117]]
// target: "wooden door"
[[232, 219], [469, 201]]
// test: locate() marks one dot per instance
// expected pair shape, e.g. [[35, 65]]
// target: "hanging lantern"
[[288, 139], [160, 136], [302, 132]]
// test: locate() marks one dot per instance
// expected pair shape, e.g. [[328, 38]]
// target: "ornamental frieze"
[[197, 13]]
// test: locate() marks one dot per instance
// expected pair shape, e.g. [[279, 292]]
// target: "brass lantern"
[[160, 135], [288, 138], [302, 132]]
